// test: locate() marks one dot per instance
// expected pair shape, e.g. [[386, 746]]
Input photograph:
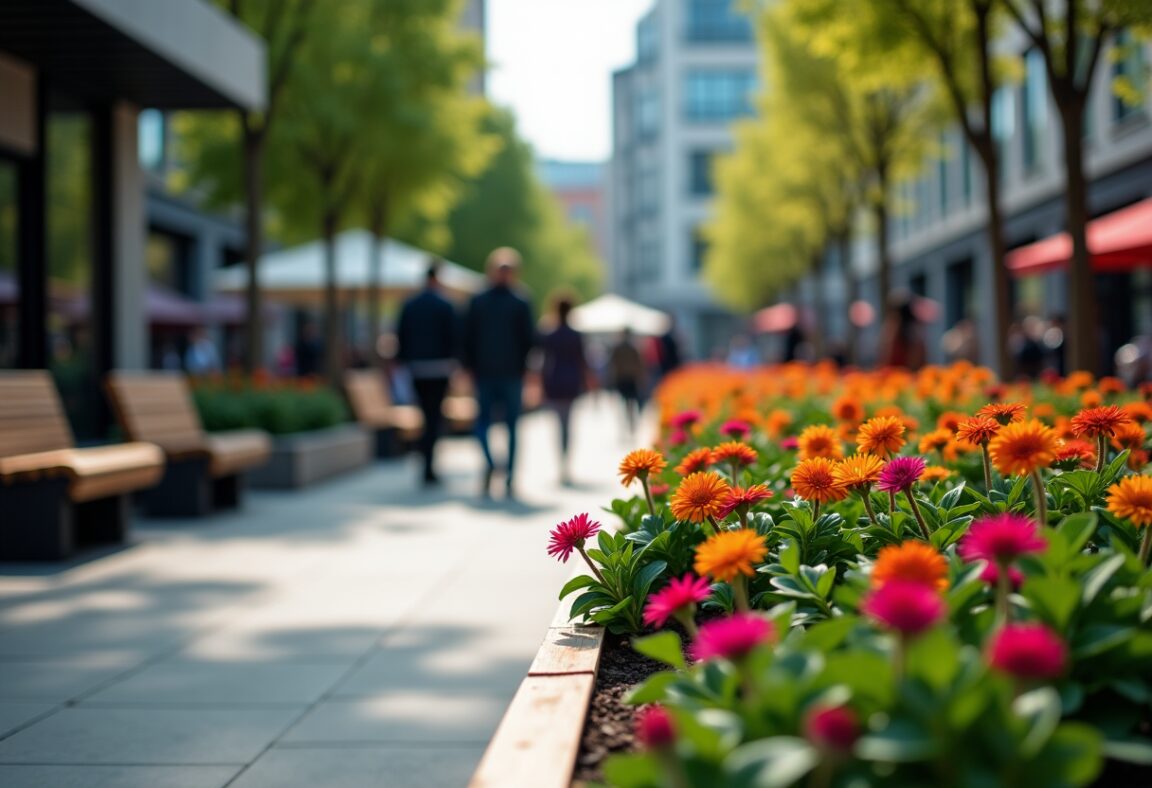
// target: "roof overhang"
[[176, 54]]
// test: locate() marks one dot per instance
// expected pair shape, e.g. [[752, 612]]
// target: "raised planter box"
[[538, 740], [305, 458]]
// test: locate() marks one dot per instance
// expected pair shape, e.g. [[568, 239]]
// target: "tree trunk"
[[254, 227], [820, 307], [333, 363], [851, 289], [1001, 288], [378, 226], [884, 261], [1083, 317]]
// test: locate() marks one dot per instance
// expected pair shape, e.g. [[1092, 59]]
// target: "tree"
[[1070, 36], [508, 206], [957, 36]]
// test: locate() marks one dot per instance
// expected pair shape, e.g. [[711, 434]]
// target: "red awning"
[[1119, 241]]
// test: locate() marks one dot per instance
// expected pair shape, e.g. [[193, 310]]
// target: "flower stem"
[[1041, 497], [1146, 544], [866, 495], [740, 593], [648, 496], [688, 621], [987, 467], [1101, 452], [898, 658], [815, 511], [1003, 589], [710, 526], [735, 472], [916, 513], [592, 566]]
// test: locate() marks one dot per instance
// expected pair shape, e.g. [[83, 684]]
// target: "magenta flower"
[[1028, 651], [1001, 539], [736, 429], [907, 607], [991, 575], [654, 728], [900, 474], [790, 443], [679, 596], [832, 727], [732, 637], [684, 419], [571, 535], [677, 437]]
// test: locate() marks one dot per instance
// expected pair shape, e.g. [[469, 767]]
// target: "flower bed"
[[279, 406], [884, 579]]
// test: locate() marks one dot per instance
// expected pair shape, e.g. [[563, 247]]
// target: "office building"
[[579, 187]]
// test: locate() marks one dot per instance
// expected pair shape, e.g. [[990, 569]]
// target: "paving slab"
[[41, 776], [13, 714], [378, 767], [404, 716], [57, 679]]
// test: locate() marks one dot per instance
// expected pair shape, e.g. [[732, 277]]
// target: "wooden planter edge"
[[538, 739]]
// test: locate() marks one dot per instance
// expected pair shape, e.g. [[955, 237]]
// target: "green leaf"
[[576, 583], [664, 647], [633, 771], [653, 689], [1073, 756], [645, 578], [902, 741], [771, 763], [1096, 639], [1095, 580], [790, 556], [1054, 598], [1078, 529], [1129, 750], [1040, 708]]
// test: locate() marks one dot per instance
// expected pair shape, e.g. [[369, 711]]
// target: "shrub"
[[279, 407]]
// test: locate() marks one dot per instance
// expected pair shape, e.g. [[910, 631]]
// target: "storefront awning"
[[1118, 241]]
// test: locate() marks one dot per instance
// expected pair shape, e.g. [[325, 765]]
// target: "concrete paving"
[[363, 633]]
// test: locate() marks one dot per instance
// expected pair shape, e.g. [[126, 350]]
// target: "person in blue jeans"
[[499, 331]]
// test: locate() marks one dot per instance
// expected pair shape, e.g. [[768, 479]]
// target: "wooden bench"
[[399, 425], [55, 498], [205, 470]]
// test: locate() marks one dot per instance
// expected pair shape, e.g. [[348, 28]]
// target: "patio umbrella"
[[611, 314]]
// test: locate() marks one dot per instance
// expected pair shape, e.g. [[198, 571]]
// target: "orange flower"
[[699, 497], [729, 554], [815, 480], [1094, 422], [848, 409], [1138, 411], [641, 464], [936, 440], [912, 562], [1110, 385], [1128, 436], [1003, 412], [935, 473], [859, 470], [777, 421], [881, 435], [819, 440], [695, 461], [1075, 454], [734, 451], [950, 420], [1023, 447], [978, 430], [1131, 499], [1091, 399]]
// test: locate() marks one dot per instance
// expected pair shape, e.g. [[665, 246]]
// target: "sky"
[[552, 63]]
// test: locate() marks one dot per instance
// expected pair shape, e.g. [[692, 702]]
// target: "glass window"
[[647, 192], [966, 171], [153, 142], [1130, 76], [717, 95], [647, 114], [649, 262], [716, 20], [697, 250], [942, 166], [1035, 109], [647, 39], [9, 276], [1003, 124], [700, 172]]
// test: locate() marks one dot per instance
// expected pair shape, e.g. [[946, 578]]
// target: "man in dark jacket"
[[498, 334], [426, 335]]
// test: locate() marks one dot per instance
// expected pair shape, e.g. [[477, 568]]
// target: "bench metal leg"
[[104, 521], [36, 521], [228, 491], [185, 491]]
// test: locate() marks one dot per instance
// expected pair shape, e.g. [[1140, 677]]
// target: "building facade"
[[579, 187], [696, 72]]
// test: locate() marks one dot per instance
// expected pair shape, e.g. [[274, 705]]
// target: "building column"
[[32, 237], [120, 229]]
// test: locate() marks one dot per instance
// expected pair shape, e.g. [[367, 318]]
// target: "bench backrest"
[[156, 407], [31, 415], [368, 395]]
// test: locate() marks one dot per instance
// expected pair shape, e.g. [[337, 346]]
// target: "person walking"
[[498, 335], [563, 374], [628, 375], [426, 346]]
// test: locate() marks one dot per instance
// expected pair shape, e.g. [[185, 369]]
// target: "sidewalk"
[[366, 633]]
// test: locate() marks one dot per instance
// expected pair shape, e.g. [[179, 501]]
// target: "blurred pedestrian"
[[201, 358], [629, 377], [671, 357], [498, 335], [309, 351], [961, 342], [742, 353], [902, 335], [563, 374], [426, 345]]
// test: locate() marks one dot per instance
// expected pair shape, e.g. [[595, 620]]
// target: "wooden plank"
[[539, 737], [568, 650]]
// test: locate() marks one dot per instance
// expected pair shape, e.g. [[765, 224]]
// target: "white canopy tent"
[[611, 314], [297, 275]]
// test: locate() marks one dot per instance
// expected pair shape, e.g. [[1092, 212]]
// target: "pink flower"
[[790, 443], [679, 595], [991, 575], [677, 438], [654, 728], [736, 429], [570, 535], [1028, 651], [685, 419], [1001, 538], [658, 488], [909, 608], [732, 637], [832, 727], [900, 474]]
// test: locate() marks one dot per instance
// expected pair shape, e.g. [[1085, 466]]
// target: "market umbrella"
[[611, 314]]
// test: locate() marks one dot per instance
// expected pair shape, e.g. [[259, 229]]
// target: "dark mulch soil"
[[609, 726]]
